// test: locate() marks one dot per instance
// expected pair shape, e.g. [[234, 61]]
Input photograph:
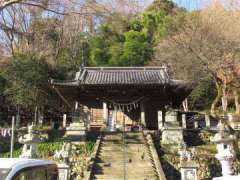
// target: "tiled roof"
[[121, 76]]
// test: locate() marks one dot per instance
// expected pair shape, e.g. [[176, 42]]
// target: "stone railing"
[[93, 157], [154, 154]]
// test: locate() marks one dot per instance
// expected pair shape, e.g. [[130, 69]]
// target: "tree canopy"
[[27, 77], [42, 39]]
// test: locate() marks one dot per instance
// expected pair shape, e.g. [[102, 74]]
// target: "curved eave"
[[75, 83], [179, 91]]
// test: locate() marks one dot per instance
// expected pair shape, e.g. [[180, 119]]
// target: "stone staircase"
[[109, 164]]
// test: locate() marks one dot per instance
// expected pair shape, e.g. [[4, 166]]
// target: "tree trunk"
[[36, 115], [41, 116], [18, 117], [224, 98], [217, 98], [236, 99], [185, 105]]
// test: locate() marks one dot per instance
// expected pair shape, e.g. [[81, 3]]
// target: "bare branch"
[[6, 3]]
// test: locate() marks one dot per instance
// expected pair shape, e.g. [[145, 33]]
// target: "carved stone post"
[[160, 120], [64, 120], [207, 120], [63, 157], [184, 121]]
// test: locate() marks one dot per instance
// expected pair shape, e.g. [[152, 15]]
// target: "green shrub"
[[47, 149], [16, 154]]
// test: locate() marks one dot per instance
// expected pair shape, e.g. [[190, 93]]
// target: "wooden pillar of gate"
[[105, 113]]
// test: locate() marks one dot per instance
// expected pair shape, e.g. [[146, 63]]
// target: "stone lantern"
[[172, 133], [30, 141], [77, 129], [225, 150]]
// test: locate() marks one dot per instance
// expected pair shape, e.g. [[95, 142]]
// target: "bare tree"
[[203, 43]]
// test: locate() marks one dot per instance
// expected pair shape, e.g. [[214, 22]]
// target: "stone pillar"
[[207, 120], [196, 124], [105, 113], [143, 120], [89, 118], [76, 105], [64, 121], [111, 122], [184, 121], [160, 120]]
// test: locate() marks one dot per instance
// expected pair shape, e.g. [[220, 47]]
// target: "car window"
[[34, 173], [39, 174], [52, 173]]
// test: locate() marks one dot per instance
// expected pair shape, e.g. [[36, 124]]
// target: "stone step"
[[120, 155], [105, 164], [120, 164], [111, 177], [129, 174], [119, 167], [110, 162], [128, 153], [120, 159]]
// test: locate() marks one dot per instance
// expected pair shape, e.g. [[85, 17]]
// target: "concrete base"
[[172, 135], [189, 174], [188, 170], [76, 132], [64, 171]]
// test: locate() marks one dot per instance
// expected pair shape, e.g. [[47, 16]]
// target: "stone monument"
[[77, 129], [64, 153], [30, 141], [225, 149], [188, 166], [63, 156], [172, 133]]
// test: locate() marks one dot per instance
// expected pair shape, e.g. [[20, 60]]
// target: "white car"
[[27, 169]]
